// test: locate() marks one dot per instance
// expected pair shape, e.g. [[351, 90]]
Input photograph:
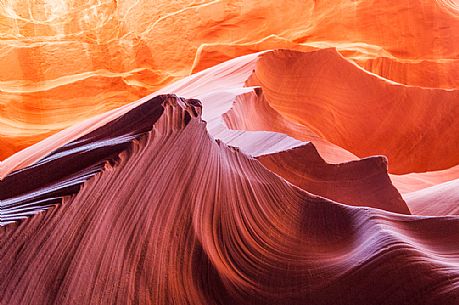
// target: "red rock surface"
[[324, 172]]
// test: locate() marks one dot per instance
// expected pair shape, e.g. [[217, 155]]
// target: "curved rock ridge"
[[61, 173], [362, 112], [24, 194], [225, 82], [241, 116], [227, 104], [251, 111], [229, 152], [359, 183], [161, 213], [349, 180], [229, 77]]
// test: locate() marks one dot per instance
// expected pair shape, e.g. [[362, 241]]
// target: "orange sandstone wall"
[[63, 61]]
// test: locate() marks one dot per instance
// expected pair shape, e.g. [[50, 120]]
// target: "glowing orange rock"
[[254, 181], [63, 61]]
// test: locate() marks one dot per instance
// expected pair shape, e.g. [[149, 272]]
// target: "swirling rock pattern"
[[59, 57], [144, 227], [325, 172]]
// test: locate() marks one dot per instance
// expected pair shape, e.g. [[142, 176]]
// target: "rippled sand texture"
[[239, 152], [58, 57]]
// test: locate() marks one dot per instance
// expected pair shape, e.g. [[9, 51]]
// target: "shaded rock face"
[[154, 205], [151, 209], [322, 172]]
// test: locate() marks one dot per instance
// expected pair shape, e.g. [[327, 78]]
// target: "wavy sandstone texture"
[[229, 152], [59, 57]]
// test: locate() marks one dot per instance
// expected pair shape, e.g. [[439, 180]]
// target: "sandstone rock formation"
[[229, 152]]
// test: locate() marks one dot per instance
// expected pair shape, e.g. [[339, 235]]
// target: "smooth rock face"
[[150, 209], [229, 152]]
